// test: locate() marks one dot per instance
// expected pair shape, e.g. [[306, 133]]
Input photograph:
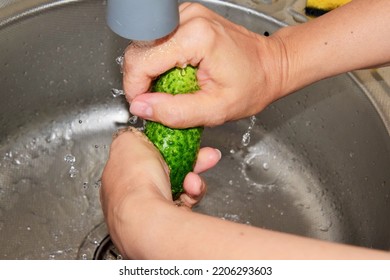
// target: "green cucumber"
[[179, 147]]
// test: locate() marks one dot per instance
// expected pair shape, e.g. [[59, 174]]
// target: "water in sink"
[[50, 180]]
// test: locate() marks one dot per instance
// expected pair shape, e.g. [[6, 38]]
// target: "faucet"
[[143, 20]]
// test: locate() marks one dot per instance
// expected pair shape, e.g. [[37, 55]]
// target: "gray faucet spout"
[[142, 20]]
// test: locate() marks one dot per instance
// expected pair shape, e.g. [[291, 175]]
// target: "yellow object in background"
[[319, 7]]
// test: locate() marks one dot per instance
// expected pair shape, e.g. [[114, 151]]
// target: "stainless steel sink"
[[317, 163]]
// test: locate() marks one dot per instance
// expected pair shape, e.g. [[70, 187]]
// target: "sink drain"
[[98, 245], [107, 250]]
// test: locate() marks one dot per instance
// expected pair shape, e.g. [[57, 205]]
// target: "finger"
[[194, 186], [207, 159], [190, 10], [143, 63], [183, 6], [181, 110], [132, 156], [194, 190], [187, 46]]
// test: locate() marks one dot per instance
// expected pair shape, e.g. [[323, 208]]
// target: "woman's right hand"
[[239, 71]]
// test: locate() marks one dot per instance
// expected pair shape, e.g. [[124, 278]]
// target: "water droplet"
[[95, 242], [231, 217], [50, 137], [69, 158], [117, 92], [326, 226], [84, 257], [266, 166], [28, 228], [85, 185], [246, 138], [133, 120], [119, 60], [55, 236], [80, 121], [73, 172], [8, 155], [98, 183]]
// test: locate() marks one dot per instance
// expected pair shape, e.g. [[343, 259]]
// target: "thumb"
[[181, 110]]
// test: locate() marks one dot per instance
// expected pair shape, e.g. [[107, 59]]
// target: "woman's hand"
[[239, 71], [136, 171], [144, 222]]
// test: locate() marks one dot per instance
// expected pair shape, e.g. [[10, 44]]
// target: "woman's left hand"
[[136, 171]]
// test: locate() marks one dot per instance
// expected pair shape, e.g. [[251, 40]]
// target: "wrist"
[[296, 69], [281, 60]]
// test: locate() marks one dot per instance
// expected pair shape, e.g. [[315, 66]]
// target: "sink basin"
[[315, 163]]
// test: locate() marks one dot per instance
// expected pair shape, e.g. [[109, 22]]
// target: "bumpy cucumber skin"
[[179, 147]]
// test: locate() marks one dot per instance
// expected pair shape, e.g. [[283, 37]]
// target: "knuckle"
[[171, 116], [194, 8], [217, 119], [202, 25]]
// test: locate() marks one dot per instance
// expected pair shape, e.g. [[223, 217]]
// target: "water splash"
[[231, 217], [117, 92], [73, 172], [98, 184], [325, 227], [133, 120], [51, 137], [71, 159], [119, 60], [246, 137]]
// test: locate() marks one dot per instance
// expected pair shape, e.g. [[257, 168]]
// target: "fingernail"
[[141, 109], [219, 153]]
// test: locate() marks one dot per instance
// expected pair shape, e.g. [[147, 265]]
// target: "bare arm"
[[352, 37], [144, 223]]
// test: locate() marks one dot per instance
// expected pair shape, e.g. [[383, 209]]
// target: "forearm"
[[168, 232], [144, 222], [351, 37]]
